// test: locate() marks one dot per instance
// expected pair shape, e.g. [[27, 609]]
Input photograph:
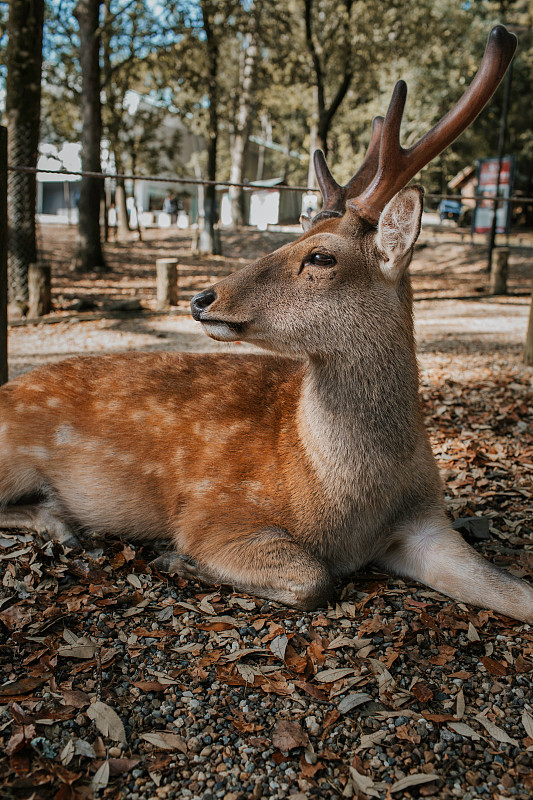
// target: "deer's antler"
[[372, 187], [334, 196]]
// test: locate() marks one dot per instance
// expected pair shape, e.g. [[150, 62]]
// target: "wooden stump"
[[39, 290], [500, 270], [167, 282]]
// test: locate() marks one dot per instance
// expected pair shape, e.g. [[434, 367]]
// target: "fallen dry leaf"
[[416, 779], [422, 692], [493, 667], [278, 645], [81, 648], [312, 690], [287, 735], [165, 741], [21, 687], [309, 770], [408, 734], [527, 722], [16, 617], [151, 686], [117, 766], [238, 654], [332, 675], [495, 731], [75, 698], [352, 701], [362, 783], [460, 704], [472, 633], [465, 730], [107, 721], [522, 665], [20, 738], [101, 777], [246, 672]]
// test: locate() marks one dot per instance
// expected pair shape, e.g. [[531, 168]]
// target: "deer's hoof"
[[173, 563]]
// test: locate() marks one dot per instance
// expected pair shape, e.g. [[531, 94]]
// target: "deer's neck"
[[359, 416]]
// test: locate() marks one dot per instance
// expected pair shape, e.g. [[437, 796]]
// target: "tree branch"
[[112, 17], [314, 54]]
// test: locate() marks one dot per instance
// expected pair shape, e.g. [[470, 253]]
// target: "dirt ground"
[[119, 682]]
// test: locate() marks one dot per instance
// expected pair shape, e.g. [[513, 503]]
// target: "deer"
[[279, 473]]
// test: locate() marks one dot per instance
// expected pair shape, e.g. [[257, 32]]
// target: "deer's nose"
[[201, 302]]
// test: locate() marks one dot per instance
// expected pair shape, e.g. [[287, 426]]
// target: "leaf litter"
[[118, 681]]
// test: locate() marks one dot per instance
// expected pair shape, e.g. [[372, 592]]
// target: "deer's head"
[[347, 273]]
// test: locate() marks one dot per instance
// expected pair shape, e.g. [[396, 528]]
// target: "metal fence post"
[[3, 256]]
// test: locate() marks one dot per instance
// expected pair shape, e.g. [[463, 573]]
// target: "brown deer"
[[280, 473]]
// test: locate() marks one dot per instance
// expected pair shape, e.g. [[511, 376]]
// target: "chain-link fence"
[[21, 200], [3, 255]]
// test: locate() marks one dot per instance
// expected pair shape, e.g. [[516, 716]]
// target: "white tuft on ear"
[[398, 229], [305, 222]]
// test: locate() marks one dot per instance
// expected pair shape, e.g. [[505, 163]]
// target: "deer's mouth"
[[223, 331]]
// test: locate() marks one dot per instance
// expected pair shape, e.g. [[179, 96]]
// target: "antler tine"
[[334, 196], [332, 193], [396, 165], [390, 138], [368, 168]]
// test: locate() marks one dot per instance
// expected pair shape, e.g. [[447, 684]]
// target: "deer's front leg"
[[268, 563], [430, 551]]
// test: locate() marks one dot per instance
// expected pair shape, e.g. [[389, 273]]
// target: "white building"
[[176, 151], [57, 195]]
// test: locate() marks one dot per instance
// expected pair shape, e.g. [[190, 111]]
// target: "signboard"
[[487, 186]]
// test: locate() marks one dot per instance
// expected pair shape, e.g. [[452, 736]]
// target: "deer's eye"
[[320, 260]]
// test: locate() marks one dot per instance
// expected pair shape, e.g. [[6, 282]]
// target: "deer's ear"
[[305, 222], [398, 229]]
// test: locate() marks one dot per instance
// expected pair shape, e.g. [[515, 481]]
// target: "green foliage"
[[134, 114], [61, 86], [160, 52]]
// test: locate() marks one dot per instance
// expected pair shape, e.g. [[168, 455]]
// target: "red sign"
[[487, 188]]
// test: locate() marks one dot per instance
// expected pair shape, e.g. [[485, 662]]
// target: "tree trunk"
[[89, 255], [23, 106], [4, 371], [209, 240], [115, 126], [323, 113], [133, 157], [313, 137], [266, 135], [200, 211], [238, 149], [123, 224], [242, 126]]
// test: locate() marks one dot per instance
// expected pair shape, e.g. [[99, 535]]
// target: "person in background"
[[170, 206]]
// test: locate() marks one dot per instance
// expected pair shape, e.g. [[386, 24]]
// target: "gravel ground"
[[119, 682], [128, 684]]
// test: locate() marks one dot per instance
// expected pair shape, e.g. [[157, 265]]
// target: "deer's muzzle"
[[201, 303]]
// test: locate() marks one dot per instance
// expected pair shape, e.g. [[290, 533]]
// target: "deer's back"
[[132, 443]]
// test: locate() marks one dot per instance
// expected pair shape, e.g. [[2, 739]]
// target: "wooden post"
[[3, 256], [167, 282], [195, 238], [498, 276], [39, 290]]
